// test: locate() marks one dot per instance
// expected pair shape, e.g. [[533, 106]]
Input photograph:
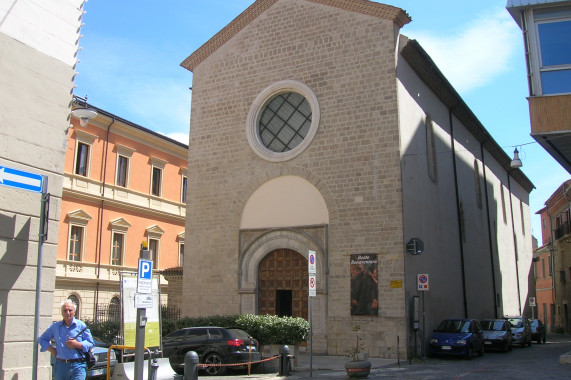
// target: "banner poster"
[[364, 284], [152, 329]]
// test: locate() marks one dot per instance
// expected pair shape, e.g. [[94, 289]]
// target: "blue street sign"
[[21, 180], [145, 269]]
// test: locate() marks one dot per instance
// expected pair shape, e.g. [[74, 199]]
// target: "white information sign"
[[312, 286], [128, 295], [143, 301], [311, 262]]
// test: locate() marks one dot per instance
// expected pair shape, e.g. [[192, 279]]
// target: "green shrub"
[[271, 329], [106, 331], [267, 329]]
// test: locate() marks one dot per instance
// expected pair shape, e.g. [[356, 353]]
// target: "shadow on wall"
[[13, 259]]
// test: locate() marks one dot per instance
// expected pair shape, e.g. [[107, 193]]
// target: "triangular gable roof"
[[120, 223], [154, 230], [79, 215], [366, 7]]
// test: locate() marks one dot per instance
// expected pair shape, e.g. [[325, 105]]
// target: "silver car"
[[497, 334], [521, 330]]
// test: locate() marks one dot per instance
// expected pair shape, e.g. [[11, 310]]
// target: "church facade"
[[317, 128]]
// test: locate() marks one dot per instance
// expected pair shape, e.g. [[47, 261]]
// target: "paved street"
[[535, 362]]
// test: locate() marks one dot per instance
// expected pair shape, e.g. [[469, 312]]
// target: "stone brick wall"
[[348, 60]]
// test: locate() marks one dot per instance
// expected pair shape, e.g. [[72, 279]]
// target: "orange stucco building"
[[123, 185]]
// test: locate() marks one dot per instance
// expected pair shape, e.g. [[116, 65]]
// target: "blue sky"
[[132, 50]]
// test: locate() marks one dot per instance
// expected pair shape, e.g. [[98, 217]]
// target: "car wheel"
[[213, 360], [469, 353]]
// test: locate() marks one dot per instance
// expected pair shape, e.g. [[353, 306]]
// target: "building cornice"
[[369, 8], [173, 211]]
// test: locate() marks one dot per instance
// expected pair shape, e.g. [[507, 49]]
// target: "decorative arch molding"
[[284, 170], [301, 240]]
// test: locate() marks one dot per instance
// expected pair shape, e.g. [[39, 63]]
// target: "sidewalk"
[[322, 366]]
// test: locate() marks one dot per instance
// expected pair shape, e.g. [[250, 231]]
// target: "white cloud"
[[473, 57]]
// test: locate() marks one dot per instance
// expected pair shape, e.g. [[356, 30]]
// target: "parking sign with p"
[[145, 276]]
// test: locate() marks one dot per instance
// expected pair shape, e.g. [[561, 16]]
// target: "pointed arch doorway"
[[282, 284]]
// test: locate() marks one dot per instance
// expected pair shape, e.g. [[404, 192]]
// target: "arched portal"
[[283, 285]]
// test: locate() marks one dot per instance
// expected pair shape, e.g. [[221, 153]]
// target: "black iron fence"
[[112, 313]]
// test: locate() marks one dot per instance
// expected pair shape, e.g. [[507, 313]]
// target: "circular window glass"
[[283, 120]]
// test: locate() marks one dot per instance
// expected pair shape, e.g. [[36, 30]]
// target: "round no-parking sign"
[[422, 282]]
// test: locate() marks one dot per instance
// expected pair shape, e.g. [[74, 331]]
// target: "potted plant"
[[358, 364]]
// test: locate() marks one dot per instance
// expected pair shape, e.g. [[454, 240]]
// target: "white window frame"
[[127, 153], [122, 254], [82, 242], [155, 233], [157, 163], [536, 64], [183, 188], [118, 226], [155, 256], [180, 238], [82, 137], [77, 218]]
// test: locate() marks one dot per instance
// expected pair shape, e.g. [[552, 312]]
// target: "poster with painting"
[[364, 284]]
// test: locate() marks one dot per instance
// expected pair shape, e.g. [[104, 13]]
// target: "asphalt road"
[[540, 361]]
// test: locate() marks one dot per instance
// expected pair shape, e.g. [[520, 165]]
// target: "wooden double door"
[[282, 284]]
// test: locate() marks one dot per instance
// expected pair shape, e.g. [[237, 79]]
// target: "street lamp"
[[516, 162], [84, 114]]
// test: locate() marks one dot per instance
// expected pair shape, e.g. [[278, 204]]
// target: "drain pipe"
[[459, 217], [515, 243], [102, 208], [491, 247]]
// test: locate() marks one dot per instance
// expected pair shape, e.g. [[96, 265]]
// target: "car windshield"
[[453, 326], [515, 322], [493, 326]]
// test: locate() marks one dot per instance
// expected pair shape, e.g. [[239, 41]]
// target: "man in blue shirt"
[[69, 346]]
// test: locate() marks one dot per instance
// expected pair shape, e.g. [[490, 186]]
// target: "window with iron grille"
[[283, 120]]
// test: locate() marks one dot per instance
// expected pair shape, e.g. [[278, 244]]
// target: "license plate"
[[97, 372], [252, 348], [487, 342], [446, 347]]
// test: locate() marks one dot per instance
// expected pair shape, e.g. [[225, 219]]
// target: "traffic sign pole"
[[144, 271], [37, 180], [311, 270]]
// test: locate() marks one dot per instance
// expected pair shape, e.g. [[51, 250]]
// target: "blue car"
[[460, 337]]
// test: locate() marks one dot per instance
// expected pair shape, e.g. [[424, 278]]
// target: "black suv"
[[214, 346]]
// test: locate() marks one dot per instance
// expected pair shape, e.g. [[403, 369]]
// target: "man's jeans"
[[69, 371]]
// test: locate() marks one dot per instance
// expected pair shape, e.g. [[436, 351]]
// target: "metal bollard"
[[154, 367], [284, 367], [191, 366]]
